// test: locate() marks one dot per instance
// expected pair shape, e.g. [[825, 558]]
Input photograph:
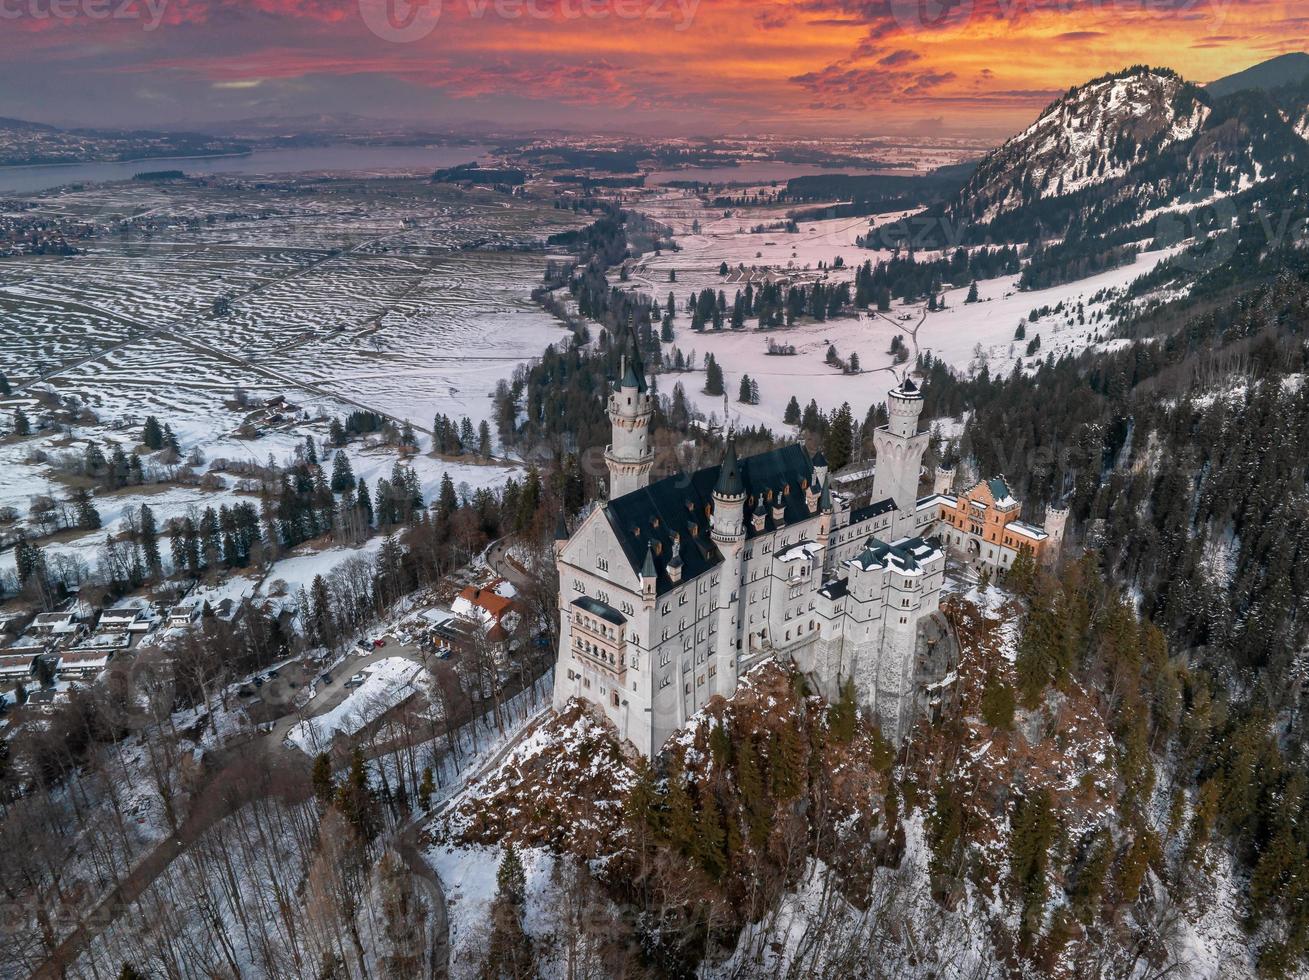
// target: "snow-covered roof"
[[801, 550]]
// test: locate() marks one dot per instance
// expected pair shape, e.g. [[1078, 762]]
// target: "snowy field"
[[392, 296], [957, 334]]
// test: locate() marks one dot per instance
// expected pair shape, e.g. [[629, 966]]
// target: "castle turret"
[[728, 535], [631, 408], [1056, 520], [900, 448], [649, 577], [943, 481]]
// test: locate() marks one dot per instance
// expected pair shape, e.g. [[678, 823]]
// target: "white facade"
[[670, 592]]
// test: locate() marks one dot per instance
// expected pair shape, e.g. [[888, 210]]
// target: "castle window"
[[665, 658], [602, 564], [615, 699]]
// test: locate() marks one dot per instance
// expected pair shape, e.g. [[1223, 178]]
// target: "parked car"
[[378, 644]]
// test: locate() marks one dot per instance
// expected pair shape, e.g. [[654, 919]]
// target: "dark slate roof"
[[908, 386], [820, 459], [836, 589], [597, 608], [903, 554], [869, 511], [681, 504], [561, 528], [634, 372]]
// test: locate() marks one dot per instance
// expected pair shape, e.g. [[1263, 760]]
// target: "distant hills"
[[24, 143], [1285, 69]]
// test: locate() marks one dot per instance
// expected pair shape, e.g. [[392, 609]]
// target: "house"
[[15, 668], [490, 609], [183, 615], [54, 624], [81, 664], [120, 619]]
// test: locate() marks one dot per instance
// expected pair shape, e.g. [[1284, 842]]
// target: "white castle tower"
[[728, 534], [631, 408], [900, 448]]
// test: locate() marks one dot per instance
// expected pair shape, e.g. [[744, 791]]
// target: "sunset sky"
[[980, 67]]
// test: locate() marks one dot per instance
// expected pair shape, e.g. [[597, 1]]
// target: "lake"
[[343, 158]]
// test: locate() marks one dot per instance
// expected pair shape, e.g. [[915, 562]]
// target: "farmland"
[[197, 302]]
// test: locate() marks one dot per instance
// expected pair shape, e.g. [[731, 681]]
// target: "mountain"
[[1086, 183], [1285, 69], [1095, 134]]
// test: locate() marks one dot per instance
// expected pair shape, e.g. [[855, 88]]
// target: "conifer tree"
[[324, 787], [840, 438], [343, 475], [5, 390], [149, 537], [511, 879], [152, 435], [711, 842], [792, 414], [713, 377], [997, 702]]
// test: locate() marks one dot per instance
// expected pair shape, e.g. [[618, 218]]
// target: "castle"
[[672, 590]]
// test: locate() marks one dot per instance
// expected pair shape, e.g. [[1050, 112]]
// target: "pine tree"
[[324, 788], [972, 293], [1021, 332], [5, 390], [343, 475], [786, 765], [129, 972], [713, 377], [792, 414], [22, 425], [711, 842], [511, 879], [364, 502], [484, 445], [88, 518], [679, 825], [323, 622], [152, 435], [854, 363], [750, 786], [840, 438], [1032, 833], [149, 536], [355, 799], [448, 500], [743, 394]]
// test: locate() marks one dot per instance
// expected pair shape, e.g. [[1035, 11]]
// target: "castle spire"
[[729, 482]]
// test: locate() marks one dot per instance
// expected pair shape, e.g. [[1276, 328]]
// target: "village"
[[471, 622]]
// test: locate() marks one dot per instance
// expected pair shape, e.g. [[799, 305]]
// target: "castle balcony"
[[601, 647]]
